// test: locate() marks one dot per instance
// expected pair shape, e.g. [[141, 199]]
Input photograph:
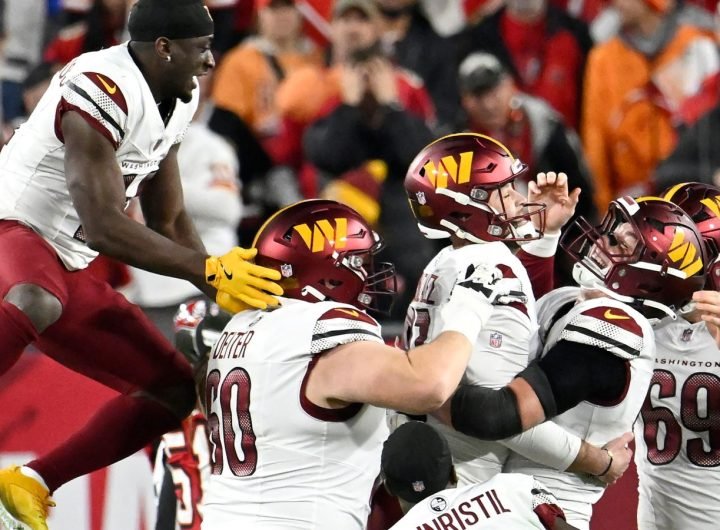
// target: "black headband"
[[173, 19]]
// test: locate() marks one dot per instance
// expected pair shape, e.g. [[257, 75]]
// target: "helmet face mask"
[[462, 185], [647, 252], [326, 251], [702, 203]]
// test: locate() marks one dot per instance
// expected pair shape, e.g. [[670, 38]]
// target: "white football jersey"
[[500, 352], [108, 90], [278, 460], [509, 501], [622, 331], [677, 449]]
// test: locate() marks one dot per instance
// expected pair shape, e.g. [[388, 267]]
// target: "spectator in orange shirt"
[[247, 78], [635, 87]]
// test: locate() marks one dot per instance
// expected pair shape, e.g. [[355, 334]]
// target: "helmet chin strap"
[[587, 280], [311, 291]]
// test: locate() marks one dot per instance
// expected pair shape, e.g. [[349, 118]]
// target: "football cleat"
[[24, 502]]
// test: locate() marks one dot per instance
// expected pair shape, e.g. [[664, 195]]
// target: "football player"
[[296, 396], [461, 187], [677, 447], [182, 462], [417, 468], [109, 126], [597, 346]]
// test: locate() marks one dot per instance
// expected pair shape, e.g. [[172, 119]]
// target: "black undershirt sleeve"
[[568, 374], [579, 372]]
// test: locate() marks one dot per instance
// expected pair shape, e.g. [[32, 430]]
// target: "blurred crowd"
[[323, 98]]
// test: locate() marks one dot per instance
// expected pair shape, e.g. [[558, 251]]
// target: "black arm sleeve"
[[579, 372], [568, 374], [485, 413]]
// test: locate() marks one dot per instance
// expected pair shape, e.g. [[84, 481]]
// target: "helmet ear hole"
[[460, 216]]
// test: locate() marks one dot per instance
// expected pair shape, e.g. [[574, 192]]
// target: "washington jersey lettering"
[[278, 460], [509, 501], [677, 436], [107, 89], [620, 330], [500, 352]]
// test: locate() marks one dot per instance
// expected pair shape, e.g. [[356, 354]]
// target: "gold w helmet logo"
[[322, 231], [713, 204], [449, 168], [685, 253]]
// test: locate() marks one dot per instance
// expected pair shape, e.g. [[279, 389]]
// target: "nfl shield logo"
[[687, 335], [286, 270], [421, 197], [418, 486], [496, 339]]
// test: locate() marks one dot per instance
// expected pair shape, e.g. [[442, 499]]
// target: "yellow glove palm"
[[244, 281]]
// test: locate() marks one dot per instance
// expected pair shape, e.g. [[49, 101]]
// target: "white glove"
[[472, 299]]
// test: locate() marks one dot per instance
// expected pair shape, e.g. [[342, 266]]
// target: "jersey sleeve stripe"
[[586, 336], [97, 107], [341, 325], [64, 107], [348, 314], [340, 332], [103, 83]]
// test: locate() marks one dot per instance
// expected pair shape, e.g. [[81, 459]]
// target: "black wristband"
[[609, 463]]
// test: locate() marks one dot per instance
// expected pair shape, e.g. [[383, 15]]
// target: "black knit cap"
[[416, 461], [173, 19]]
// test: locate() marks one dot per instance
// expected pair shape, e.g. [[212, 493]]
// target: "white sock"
[[29, 472]]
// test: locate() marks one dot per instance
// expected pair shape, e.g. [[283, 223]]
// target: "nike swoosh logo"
[[228, 275], [349, 312], [612, 316], [110, 89]]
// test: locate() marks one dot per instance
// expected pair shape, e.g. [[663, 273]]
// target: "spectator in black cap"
[[528, 126], [417, 467]]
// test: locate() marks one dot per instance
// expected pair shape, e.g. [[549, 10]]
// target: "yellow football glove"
[[231, 304], [235, 275]]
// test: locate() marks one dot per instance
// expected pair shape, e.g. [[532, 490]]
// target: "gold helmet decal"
[[713, 204], [459, 172], [685, 254], [323, 231], [448, 167]]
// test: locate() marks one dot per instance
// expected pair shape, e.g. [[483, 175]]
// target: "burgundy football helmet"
[[325, 251], [646, 252], [702, 203], [449, 184]]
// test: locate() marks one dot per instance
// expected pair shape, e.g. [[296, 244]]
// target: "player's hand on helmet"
[[620, 455], [235, 275], [552, 189]]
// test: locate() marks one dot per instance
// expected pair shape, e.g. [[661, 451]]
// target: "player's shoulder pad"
[[96, 86], [341, 324], [609, 325]]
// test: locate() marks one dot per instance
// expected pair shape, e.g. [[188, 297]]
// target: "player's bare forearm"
[[182, 232], [163, 205], [590, 459], [96, 186], [132, 243]]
